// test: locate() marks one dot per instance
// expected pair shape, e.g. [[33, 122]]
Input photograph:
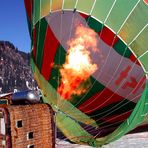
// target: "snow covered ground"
[[139, 140]]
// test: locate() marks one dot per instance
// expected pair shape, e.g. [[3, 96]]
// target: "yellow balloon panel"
[[84, 6], [118, 14], [69, 4], [101, 9], [140, 45], [135, 22], [56, 5], [46, 6]]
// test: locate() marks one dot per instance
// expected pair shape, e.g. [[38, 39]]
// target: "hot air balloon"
[[90, 59]]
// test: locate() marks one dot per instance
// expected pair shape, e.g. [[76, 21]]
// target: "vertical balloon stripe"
[[36, 11], [34, 43], [29, 26], [50, 47], [84, 15], [37, 28], [122, 49], [94, 24], [59, 59], [40, 41], [29, 9], [134, 59], [108, 36], [28, 6]]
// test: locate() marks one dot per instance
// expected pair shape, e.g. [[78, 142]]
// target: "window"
[[30, 146], [2, 126], [19, 124], [3, 142], [30, 135]]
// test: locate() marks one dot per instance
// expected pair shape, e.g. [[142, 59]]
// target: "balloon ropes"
[[90, 59]]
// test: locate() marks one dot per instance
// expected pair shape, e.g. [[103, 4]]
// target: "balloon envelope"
[[90, 60]]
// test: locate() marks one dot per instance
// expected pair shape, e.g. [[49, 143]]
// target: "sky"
[[13, 24]]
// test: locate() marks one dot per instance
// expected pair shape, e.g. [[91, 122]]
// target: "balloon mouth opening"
[[76, 29]]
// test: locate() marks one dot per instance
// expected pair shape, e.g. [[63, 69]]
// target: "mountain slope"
[[15, 72]]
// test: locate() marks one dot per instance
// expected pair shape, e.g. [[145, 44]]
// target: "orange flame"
[[78, 66]]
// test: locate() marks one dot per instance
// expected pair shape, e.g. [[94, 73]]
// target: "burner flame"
[[79, 65]]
